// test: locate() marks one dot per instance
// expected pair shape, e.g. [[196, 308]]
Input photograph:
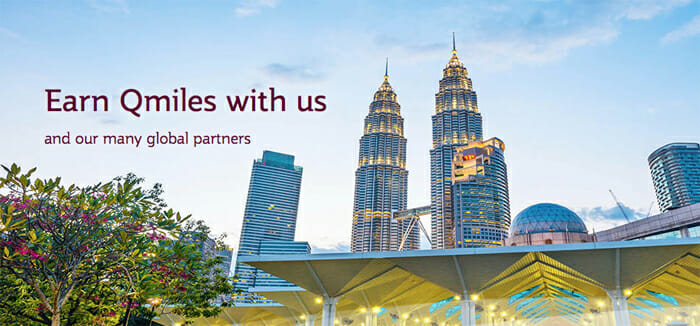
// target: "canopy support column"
[[468, 310], [619, 306], [370, 318], [328, 316], [309, 321]]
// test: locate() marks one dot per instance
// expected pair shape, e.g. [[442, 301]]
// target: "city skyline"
[[581, 93]]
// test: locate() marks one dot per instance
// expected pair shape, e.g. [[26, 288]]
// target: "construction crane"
[[412, 214], [619, 205]]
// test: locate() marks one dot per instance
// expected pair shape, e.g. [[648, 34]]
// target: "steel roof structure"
[[645, 282]]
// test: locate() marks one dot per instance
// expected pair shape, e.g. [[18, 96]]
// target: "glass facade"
[[456, 122], [547, 217], [675, 173], [270, 214], [381, 179], [480, 188]]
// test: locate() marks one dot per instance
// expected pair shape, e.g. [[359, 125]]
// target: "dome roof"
[[546, 217]]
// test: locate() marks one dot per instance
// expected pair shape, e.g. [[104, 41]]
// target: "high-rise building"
[[675, 172], [226, 255], [381, 179], [270, 213], [456, 122], [480, 192]]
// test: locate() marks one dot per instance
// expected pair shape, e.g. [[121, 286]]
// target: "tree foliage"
[[96, 255]]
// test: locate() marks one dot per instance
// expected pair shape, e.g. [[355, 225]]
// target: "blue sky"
[[580, 91]]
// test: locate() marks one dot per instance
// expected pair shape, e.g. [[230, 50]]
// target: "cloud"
[[647, 9], [109, 6], [600, 218], [110, 121], [9, 33], [540, 32], [252, 7], [338, 247], [536, 50], [691, 28], [293, 72]]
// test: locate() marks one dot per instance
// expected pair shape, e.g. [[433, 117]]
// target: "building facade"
[[675, 173], [270, 213], [456, 122], [381, 179], [226, 255], [480, 192]]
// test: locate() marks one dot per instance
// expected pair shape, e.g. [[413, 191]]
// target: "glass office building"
[[456, 122], [381, 178], [480, 188], [270, 214], [675, 172]]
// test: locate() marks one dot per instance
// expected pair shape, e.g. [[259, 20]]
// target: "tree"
[[94, 255]]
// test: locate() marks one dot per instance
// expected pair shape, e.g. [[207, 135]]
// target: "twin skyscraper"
[[469, 204]]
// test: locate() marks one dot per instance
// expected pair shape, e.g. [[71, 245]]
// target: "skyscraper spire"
[[386, 69], [381, 178], [454, 46]]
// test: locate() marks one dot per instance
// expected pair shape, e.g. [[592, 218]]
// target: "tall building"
[[480, 192], [270, 213], [675, 172], [226, 255], [456, 122], [381, 179]]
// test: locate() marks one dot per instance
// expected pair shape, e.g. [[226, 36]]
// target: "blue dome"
[[547, 217]]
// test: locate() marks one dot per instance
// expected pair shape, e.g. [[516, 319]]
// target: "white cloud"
[[535, 50], [252, 7], [336, 247], [109, 6], [599, 218], [690, 29], [538, 33], [9, 33], [647, 9]]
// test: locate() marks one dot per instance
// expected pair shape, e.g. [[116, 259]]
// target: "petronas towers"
[[381, 177]]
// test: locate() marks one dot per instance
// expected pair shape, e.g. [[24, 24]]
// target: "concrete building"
[[546, 223], [270, 214], [381, 178], [675, 172], [480, 190]]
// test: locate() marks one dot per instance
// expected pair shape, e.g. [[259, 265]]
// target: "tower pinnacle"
[[386, 69], [454, 46]]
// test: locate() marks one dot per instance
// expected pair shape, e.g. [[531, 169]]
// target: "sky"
[[581, 92]]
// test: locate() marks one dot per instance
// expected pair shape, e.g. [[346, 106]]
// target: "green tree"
[[97, 255]]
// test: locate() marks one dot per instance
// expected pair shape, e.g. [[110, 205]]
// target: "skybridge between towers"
[[414, 215]]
